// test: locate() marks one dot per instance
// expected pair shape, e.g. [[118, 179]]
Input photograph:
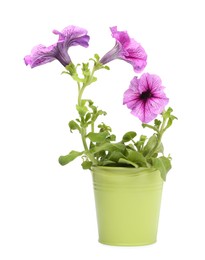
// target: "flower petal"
[[121, 37], [72, 36], [145, 97], [40, 55], [130, 98], [131, 95], [143, 112], [157, 104], [126, 49], [136, 55], [155, 83]]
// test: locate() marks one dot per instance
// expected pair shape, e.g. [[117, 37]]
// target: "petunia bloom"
[[126, 49], [145, 97], [70, 36]]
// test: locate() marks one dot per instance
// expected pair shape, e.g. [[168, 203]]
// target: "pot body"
[[127, 205]]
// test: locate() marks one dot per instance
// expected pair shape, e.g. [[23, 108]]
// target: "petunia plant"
[[145, 97]]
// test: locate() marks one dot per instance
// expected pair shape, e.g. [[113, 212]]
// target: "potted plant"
[[128, 173]]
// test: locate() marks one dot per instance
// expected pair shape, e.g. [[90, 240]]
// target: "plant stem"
[[83, 128], [80, 93], [81, 89]]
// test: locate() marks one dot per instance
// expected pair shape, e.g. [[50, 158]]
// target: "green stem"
[[92, 128], [80, 91], [83, 136], [91, 77], [84, 129]]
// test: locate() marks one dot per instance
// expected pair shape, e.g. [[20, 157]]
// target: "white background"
[[47, 211]]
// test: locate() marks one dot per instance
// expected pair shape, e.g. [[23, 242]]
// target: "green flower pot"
[[127, 205]]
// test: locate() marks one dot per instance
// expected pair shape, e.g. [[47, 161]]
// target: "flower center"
[[146, 95]]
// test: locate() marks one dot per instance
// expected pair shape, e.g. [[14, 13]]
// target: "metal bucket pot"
[[127, 205]]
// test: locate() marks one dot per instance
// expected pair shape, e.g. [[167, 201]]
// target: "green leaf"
[[111, 138], [143, 138], [157, 123], [87, 117], [65, 72], [97, 57], [160, 148], [93, 80], [72, 71], [76, 78], [86, 165], [71, 68], [107, 162], [85, 68], [103, 127], [140, 144], [97, 137], [151, 143], [136, 157], [166, 114], [128, 136], [162, 164], [123, 160], [150, 126], [74, 126], [83, 102], [101, 112], [82, 110], [109, 147], [117, 146], [63, 160], [170, 121], [94, 109], [115, 156], [90, 102]]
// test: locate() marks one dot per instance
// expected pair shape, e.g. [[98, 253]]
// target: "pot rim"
[[120, 168]]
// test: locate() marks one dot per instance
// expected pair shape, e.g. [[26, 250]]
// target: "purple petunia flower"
[[126, 49], [145, 97], [70, 36]]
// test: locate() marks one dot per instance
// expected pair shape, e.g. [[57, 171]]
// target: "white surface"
[[47, 211]]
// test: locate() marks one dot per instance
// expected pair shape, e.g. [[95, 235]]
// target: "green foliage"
[[150, 145], [128, 136], [163, 164], [99, 143], [63, 160], [97, 137], [86, 165], [74, 126]]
